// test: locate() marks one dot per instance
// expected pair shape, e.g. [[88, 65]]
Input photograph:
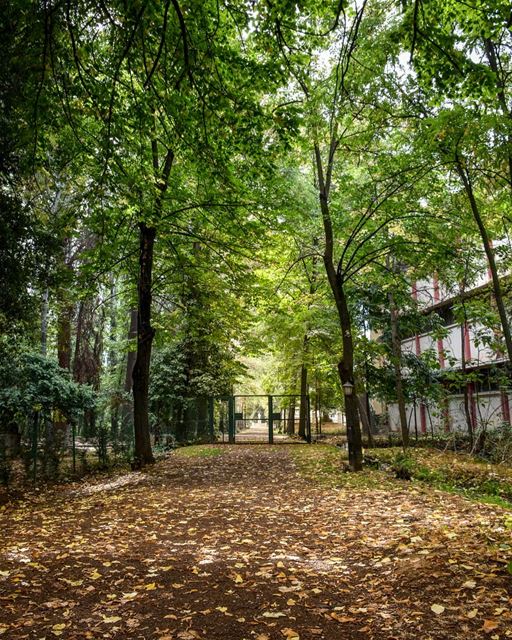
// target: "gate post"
[[270, 420], [231, 420], [210, 420], [308, 420]]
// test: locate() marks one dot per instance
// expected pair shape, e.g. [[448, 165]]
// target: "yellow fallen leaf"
[[151, 586], [95, 575], [274, 614], [72, 583], [3, 630], [57, 629], [238, 578], [111, 620], [290, 602], [469, 584], [437, 609], [472, 614], [176, 585], [262, 636], [221, 609]]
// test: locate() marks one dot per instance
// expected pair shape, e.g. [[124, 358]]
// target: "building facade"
[[467, 347]]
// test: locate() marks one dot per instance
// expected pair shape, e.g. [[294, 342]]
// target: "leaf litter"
[[242, 546]]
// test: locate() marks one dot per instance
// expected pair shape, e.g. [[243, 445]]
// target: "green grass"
[[457, 473], [199, 451], [324, 464]]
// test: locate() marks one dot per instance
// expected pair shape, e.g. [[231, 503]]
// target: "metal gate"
[[258, 418]]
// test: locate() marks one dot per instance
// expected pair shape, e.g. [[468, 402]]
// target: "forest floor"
[[254, 543]]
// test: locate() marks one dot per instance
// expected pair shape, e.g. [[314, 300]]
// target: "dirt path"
[[240, 546]]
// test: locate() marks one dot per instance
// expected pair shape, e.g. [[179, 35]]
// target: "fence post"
[[231, 420], [270, 420], [211, 419]]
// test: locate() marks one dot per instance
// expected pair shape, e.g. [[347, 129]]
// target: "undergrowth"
[[456, 473], [325, 464], [390, 468]]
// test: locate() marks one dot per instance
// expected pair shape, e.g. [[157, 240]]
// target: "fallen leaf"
[[489, 625], [437, 609], [290, 634], [57, 629], [340, 618], [111, 620]]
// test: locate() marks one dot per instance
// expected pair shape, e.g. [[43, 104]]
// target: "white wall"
[[488, 413]]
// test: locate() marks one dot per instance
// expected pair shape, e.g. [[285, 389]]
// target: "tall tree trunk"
[[346, 373], [336, 284], [397, 367], [64, 336], [143, 454], [203, 432], [496, 282], [492, 58], [467, 408], [145, 333]]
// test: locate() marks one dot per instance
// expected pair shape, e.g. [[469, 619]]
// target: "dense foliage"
[[186, 188]]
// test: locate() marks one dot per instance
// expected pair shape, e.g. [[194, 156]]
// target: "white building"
[[489, 405]]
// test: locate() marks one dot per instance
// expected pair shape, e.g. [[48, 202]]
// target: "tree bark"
[[467, 408], [64, 336], [143, 454]]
